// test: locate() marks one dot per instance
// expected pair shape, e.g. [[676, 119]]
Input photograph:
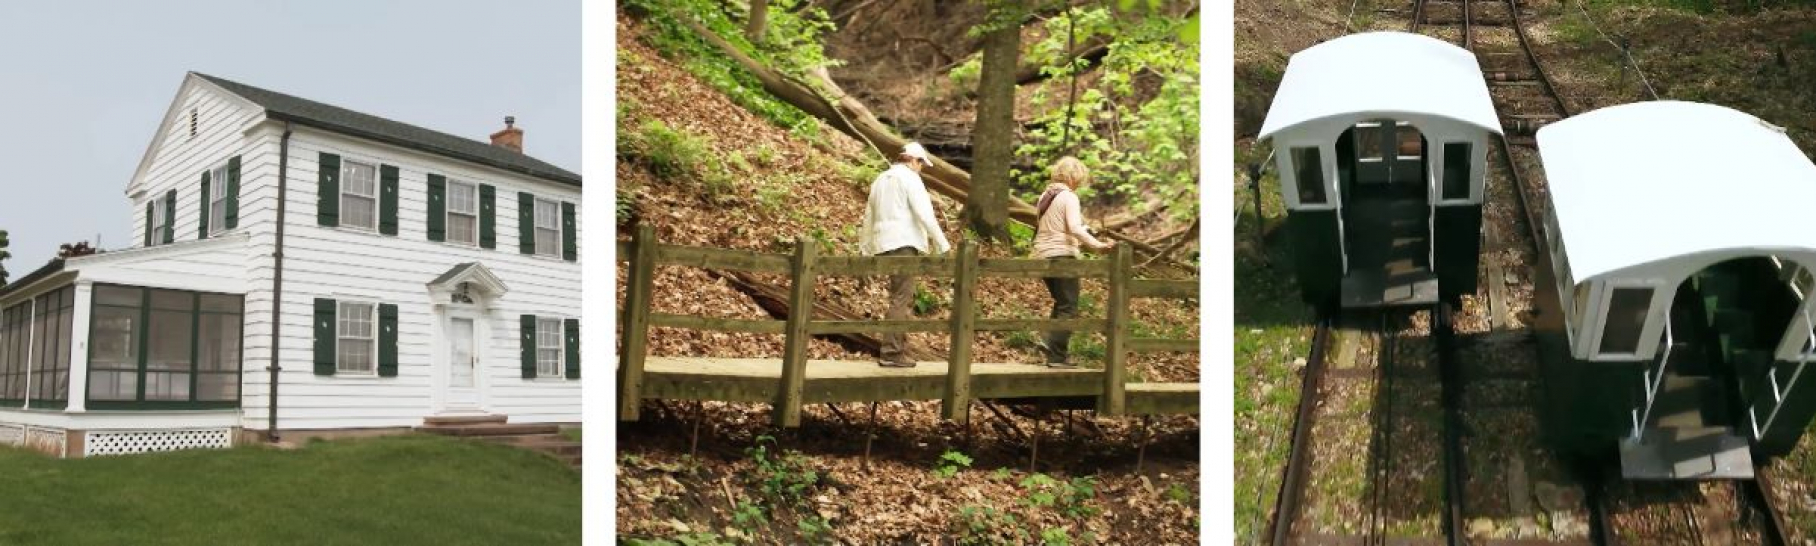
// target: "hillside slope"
[[777, 185]]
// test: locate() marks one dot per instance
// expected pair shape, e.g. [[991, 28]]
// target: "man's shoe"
[[1062, 365], [895, 363]]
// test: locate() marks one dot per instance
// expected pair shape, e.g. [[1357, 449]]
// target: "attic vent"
[[192, 122]]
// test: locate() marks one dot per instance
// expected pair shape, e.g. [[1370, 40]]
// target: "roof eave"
[[414, 145]]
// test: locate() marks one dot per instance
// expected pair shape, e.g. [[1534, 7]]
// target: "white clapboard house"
[[396, 273]]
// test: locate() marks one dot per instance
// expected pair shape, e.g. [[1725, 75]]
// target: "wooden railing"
[[644, 253]]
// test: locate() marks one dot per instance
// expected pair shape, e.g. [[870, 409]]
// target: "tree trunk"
[[987, 204], [759, 21], [846, 114]]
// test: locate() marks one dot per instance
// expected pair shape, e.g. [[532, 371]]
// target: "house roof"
[[341, 120], [55, 266], [1645, 182], [1381, 73], [453, 272]]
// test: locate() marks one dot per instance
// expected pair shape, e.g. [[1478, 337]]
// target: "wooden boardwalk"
[[793, 381]]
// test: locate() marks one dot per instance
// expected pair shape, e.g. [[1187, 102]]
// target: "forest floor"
[[926, 479]]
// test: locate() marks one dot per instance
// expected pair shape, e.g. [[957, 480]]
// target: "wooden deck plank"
[[1161, 398], [756, 379]]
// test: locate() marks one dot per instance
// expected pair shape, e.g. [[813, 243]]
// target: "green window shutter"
[[387, 340], [232, 202], [526, 223], [327, 199], [573, 347], [149, 210], [570, 250], [387, 199], [438, 207], [324, 336], [201, 225], [170, 216], [528, 342], [488, 216]]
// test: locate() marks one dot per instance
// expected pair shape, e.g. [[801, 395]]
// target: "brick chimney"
[[510, 137]]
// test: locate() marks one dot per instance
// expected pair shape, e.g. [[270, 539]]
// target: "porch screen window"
[[548, 348], [1626, 316], [355, 340], [52, 319], [15, 340], [154, 349], [1456, 170], [463, 213], [359, 195], [1308, 175], [217, 201], [548, 228]]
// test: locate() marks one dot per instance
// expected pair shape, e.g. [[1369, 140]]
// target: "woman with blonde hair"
[[1058, 234]]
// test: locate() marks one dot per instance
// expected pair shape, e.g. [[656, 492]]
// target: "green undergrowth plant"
[[1069, 498], [978, 524], [1137, 125], [786, 480], [926, 302], [671, 153], [791, 44], [950, 464]]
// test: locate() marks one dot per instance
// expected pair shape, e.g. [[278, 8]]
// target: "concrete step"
[[490, 429], [451, 420], [553, 444], [1686, 453]]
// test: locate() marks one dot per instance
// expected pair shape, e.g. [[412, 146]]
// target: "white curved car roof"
[[1644, 182], [1382, 73]]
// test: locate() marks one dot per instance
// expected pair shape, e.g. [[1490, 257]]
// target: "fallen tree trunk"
[[774, 300], [846, 114]]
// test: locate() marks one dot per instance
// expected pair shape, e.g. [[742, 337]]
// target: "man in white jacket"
[[899, 221]]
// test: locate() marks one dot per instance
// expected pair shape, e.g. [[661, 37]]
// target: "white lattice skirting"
[[12, 435], [145, 441]]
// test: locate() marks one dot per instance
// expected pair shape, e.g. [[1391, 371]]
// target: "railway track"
[[1369, 408], [1527, 99], [1687, 512]]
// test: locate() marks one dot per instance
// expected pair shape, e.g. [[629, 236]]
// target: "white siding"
[[348, 264], [180, 159]]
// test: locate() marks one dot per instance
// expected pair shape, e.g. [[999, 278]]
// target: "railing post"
[[635, 322], [957, 404], [1116, 336], [794, 349]]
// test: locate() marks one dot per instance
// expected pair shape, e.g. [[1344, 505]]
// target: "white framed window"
[[548, 228], [548, 348], [359, 195], [356, 338], [1409, 144], [217, 200], [1368, 139], [159, 215], [463, 213], [1625, 310]]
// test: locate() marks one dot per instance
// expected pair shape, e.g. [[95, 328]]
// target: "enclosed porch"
[[98, 356]]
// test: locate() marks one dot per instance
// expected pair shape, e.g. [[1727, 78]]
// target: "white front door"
[[462, 391]]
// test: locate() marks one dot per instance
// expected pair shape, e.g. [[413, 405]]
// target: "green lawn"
[[395, 490]]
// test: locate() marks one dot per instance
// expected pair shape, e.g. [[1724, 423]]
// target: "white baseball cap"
[[915, 150]]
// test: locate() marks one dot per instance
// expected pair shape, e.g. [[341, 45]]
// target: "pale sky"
[[84, 84]]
